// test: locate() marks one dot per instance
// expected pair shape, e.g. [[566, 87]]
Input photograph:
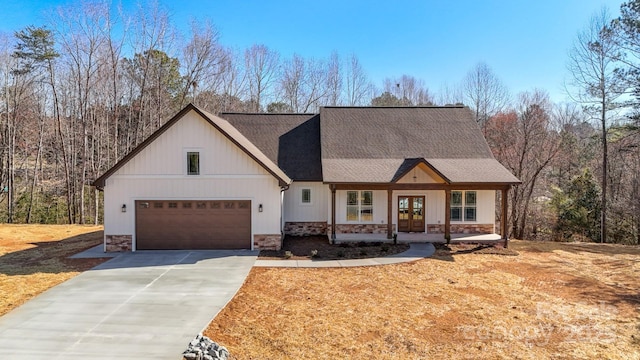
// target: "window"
[[463, 203], [470, 206], [306, 196], [360, 206], [193, 163]]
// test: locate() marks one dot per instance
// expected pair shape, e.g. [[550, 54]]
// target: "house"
[[244, 180]]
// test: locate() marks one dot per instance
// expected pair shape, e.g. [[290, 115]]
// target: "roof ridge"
[[399, 107], [261, 113]]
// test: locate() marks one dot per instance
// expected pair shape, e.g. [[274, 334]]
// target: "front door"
[[411, 213]]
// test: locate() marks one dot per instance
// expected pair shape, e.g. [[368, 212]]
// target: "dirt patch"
[[301, 248], [542, 303], [34, 258]]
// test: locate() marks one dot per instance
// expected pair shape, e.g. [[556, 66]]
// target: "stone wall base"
[[118, 243], [309, 228], [267, 242], [461, 228], [363, 228]]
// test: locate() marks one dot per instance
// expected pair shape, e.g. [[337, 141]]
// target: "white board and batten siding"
[[159, 172], [315, 211]]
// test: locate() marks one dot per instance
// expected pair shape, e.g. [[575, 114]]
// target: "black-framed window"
[[306, 196], [193, 163]]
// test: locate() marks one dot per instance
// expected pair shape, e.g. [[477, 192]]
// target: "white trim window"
[[305, 196], [360, 206], [464, 203]]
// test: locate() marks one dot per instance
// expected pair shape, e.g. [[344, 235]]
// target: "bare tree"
[[262, 66], [593, 65], [409, 90], [358, 88], [449, 95], [202, 61], [525, 141], [485, 94], [333, 80]]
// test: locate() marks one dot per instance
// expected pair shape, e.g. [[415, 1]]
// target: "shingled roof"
[[290, 140], [372, 144]]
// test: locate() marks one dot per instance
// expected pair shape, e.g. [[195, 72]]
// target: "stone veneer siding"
[[118, 243], [363, 228], [461, 228], [309, 228], [267, 242]]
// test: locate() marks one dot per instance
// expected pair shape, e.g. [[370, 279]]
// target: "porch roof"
[[453, 171]]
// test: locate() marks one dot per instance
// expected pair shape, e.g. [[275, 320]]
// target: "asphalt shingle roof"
[[290, 140], [373, 144]]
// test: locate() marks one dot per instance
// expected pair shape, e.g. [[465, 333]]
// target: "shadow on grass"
[[597, 292], [575, 247], [51, 256], [448, 252]]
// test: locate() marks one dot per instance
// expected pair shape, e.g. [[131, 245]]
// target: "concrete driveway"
[[143, 305]]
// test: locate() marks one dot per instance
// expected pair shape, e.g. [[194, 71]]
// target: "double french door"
[[410, 213]]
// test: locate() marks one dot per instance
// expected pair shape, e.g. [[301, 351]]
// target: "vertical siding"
[[379, 208], [434, 206], [295, 210], [167, 154], [159, 172], [423, 175]]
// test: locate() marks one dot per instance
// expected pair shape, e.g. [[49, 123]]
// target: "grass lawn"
[[34, 258], [552, 300]]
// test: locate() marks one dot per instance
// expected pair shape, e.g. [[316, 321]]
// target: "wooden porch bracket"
[[333, 213], [389, 215], [447, 215], [503, 217]]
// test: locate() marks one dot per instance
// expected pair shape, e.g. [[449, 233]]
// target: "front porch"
[[422, 237]]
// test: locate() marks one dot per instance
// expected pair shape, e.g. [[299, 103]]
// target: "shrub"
[[288, 254]]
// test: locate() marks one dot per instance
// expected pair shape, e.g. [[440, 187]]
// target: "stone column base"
[[118, 243], [363, 228], [267, 242], [307, 228], [461, 228]]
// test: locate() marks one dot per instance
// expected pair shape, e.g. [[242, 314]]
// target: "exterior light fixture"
[[260, 208], [124, 208]]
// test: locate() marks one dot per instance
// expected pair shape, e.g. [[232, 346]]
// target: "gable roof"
[[221, 125], [376, 144], [401, 133], [290, 140]]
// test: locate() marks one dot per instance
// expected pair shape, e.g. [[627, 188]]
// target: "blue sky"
[[525, 42]]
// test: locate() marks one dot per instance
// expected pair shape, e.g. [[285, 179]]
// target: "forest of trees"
[[79, 92]]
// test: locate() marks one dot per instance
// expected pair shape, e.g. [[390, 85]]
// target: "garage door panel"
[[193, 224]]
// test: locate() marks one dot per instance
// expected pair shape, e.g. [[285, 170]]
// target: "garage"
[[193, 224]]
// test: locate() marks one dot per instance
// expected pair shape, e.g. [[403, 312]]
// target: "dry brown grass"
[[561, 301], [34, 258]]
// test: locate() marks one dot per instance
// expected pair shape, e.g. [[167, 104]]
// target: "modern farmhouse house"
[[240, 181]]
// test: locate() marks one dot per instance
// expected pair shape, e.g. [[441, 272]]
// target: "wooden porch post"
[[503, 220], [333, 213], [389, 215], [447, 215]]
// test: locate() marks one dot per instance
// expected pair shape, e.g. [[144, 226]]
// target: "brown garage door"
[[192, 224]]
